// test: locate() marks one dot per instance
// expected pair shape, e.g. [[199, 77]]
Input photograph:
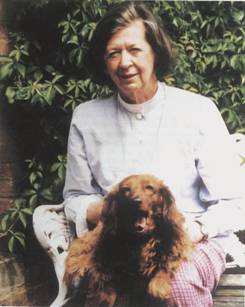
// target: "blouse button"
[[139, 116]]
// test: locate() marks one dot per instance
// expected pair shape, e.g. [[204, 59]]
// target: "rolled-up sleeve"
[[80, 187], [218, 164]]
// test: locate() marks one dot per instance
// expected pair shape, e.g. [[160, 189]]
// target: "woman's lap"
[[195, 281]]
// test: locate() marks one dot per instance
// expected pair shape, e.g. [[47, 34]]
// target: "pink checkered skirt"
[[197, 279]]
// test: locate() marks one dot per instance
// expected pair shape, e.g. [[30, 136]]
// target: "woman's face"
[[130, 63]]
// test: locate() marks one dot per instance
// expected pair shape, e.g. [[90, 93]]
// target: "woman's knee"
[[195, 280], [188, 291]]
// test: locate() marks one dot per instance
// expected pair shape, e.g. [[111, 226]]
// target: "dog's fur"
[[136, 248]]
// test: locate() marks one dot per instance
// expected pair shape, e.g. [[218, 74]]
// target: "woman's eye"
[[112, 55], [135, 50]]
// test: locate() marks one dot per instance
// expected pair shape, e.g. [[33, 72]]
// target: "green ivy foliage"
[[45, 77]]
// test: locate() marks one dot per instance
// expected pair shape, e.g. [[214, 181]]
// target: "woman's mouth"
[[127, 76]]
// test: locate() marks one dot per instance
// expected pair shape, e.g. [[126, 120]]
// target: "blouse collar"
[[147, 106]]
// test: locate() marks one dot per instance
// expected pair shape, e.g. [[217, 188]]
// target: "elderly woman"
[[148, 127]]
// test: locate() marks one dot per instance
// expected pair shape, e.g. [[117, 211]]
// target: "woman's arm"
[[81, 190], [218, 164]]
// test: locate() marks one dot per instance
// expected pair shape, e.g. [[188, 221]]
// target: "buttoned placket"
[[143, 138], [142, 132], [139, 122]]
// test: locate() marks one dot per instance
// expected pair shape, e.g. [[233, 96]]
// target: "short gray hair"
[[121, 16]]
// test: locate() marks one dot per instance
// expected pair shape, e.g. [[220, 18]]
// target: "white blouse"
[[178, 136]]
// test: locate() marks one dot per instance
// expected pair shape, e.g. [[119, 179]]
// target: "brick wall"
[[9, 165], [10, 173]]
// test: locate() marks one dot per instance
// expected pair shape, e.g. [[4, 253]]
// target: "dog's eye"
[[125, 190], [149, 188], [157, 209]]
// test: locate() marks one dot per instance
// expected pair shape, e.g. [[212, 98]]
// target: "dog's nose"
[[139, 228], [137, 200]]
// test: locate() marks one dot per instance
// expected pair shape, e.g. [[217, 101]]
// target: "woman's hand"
[[194, 231], [94, 213]]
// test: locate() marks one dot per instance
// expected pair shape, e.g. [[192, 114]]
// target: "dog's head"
[[137, 205]]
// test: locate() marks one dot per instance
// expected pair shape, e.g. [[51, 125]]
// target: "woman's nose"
[[125, 59]]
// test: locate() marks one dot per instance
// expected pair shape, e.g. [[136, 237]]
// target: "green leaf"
[[38, 75], [59, 89], [21, 69], [5, 60], [33, 200], [10, 94], [49, 95], [74, 40], [21, 240], [4, 221], [32, 177], [11, 244], [19, 202], [29, 192], [36, 186], [6, 70], [49, 69], [68, 103], [22, 218], [61, 172], [238, 16], [27, 211], [234, 61], [54, 167], [14, 213], [47, 194], [57, 78]]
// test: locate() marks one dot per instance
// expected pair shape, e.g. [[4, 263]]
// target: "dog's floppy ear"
[[109, 210], [167, 199]]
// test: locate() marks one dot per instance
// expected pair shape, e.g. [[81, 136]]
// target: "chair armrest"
[[52, 228], [54, 234]]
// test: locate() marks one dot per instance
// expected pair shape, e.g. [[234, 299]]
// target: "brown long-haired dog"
[[136, 248]]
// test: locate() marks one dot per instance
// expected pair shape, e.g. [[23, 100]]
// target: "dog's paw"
[[159, 286]]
